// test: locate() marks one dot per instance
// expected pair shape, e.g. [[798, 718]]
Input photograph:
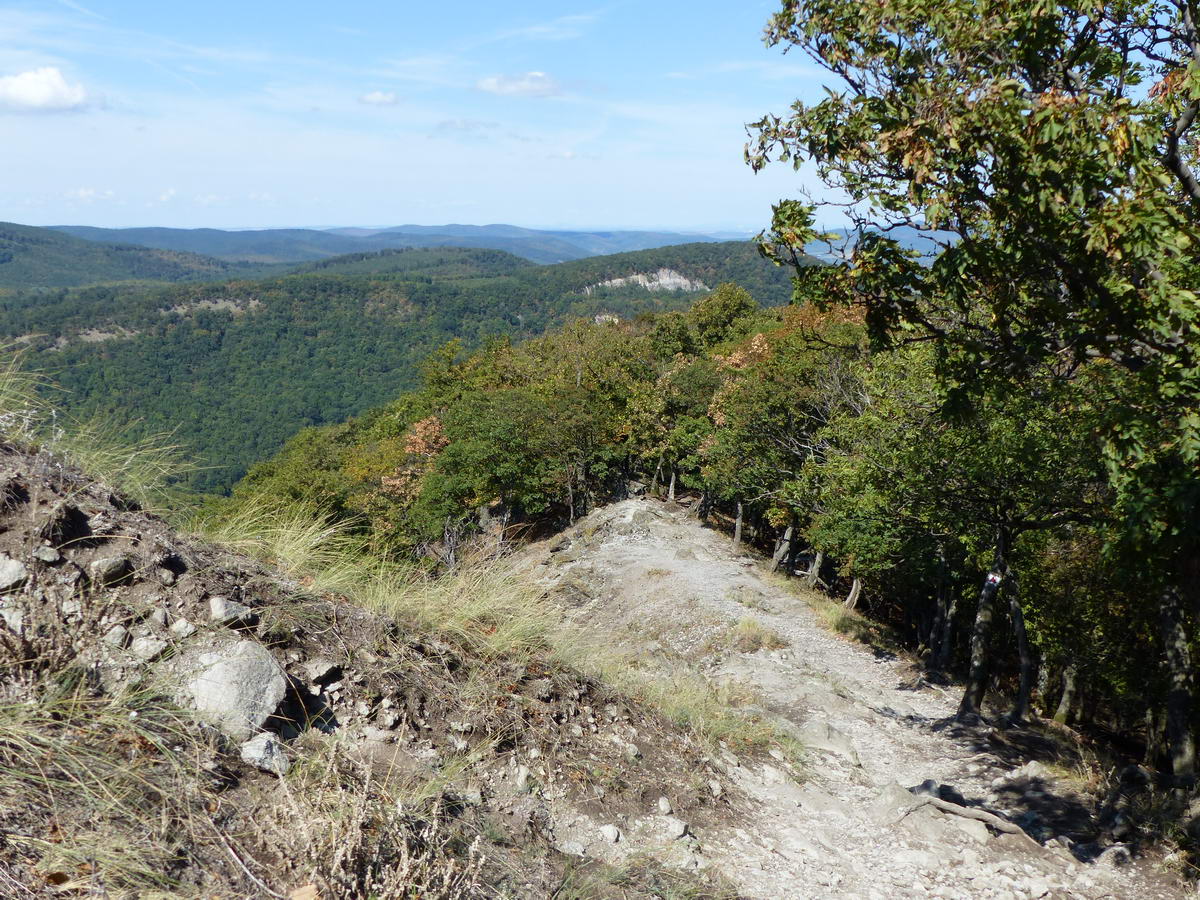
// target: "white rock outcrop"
[[662, 280], [235, 684]]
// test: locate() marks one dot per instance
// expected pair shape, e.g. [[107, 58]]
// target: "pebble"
[[664, 806], [610, 833]]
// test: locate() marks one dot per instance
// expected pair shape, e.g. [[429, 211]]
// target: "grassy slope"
[[319, 347]]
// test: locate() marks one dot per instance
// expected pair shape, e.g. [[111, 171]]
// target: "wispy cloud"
[[380, 98], [564, 28], [88, 195], [80, 8], [41, 90], [530, 84]]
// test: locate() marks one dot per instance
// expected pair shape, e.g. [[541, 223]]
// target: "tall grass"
[[112, 786], [486, 606]]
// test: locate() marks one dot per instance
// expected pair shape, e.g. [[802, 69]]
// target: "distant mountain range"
[[294, 245]]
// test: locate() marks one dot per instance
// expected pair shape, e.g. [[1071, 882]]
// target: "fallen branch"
[[968, 812]]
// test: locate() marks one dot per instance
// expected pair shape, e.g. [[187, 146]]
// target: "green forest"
[[232, 369]]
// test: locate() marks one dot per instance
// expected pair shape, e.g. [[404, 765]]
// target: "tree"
[[1045, 151]]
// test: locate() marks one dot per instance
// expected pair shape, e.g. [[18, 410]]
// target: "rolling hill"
[[305, 245], [43, 257], [236, 367]]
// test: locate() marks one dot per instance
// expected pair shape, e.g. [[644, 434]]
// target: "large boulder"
[[234, 684]]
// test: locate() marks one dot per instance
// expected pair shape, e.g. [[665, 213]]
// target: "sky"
[[289, 113]]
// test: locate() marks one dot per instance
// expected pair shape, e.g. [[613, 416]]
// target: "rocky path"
[[664, 586]]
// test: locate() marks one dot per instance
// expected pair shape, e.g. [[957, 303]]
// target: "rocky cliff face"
[[661, 280]]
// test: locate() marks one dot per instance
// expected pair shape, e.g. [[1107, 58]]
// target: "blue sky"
[[268, 113]]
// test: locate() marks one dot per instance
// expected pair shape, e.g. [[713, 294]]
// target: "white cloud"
[[88, 195], [531, 84], [380, 98], [41, 90]]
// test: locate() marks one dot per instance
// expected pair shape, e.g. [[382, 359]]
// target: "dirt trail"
[[661, 584]]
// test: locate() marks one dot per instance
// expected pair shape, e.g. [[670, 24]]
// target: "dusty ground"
[[667, 588]]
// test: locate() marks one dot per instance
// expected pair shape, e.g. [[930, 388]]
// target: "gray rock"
[[182, 628], [148, 648], [1115, 856], [632, 751], [664, 806], [572, 848], [46, 554], [522, 781], [264, 751], [972, 828], [610, 833], [823, 736], [321, 670], [109, 570], [160, 618], [165, 575], [891, 802], [674, 828], [715, 787], [13, 573], [117, 636], [235, 684], [13, 618], [224, 611]]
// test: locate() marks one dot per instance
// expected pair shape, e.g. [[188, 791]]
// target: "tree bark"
[[737, 526], [945, 654], [814, 571], [1177, 660], [977, 675], [783, 550], [1155, 743], [1020, 710], [852, 600], [671, 490], [1070, 679]]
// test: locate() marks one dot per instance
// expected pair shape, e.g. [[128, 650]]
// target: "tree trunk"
[[1177, 660], [945, 655], [1020, 710], [783, 550], [671, 490], [852, 599], [1043, 689], [977, 675], [737, 526], [793, 550], [814, 571], [938, 629], [1155, 738], [1070, 679]]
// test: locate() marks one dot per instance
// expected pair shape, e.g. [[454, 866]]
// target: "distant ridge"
[[43, 257], [297, 245]]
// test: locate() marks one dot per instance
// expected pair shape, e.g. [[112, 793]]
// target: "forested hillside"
[[791, 434], [235, 368], [290, 245], [42, 257]]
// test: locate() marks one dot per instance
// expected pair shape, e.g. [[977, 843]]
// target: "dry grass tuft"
[[347, 834], [749, 636]]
